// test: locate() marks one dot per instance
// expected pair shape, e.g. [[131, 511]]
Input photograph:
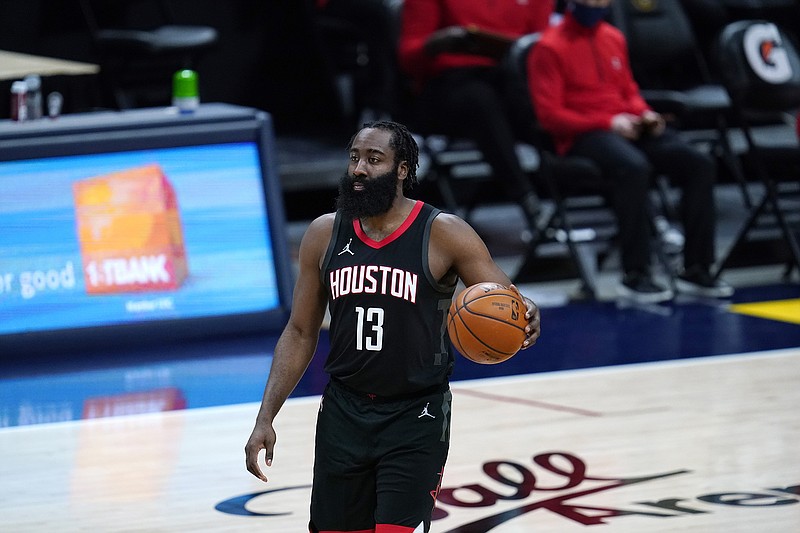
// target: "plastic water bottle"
[[185, 95], [34, 97], [55, 101], [19, 96]]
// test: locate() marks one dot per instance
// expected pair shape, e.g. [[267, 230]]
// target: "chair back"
[[760, 65], [139, 46], [515, 63], [138, 28], [515, 66], [663, 50], [130, 14], [575, 173]]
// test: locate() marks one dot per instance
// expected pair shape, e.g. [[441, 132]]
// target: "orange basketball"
[[486, 323]]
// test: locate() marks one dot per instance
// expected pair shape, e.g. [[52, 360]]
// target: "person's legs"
[[343, 491], [414, 449], [629, 172], [468, 103], [695, 173], [378, 465]]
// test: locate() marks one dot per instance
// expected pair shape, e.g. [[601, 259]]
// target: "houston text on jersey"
[[374, 279]]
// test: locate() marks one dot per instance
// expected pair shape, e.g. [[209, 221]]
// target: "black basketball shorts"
[[377, 462]]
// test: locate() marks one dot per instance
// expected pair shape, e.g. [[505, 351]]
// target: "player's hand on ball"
[[533, 329], [487, 322]]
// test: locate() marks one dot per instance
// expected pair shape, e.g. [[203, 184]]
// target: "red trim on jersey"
[[391, 528], [353, 531], [392, 236], [379, 528]]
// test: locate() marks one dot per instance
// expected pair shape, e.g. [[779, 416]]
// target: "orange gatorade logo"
[[130, 232]]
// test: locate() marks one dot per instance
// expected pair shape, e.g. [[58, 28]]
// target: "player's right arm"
[[456, 248], [297, 343]]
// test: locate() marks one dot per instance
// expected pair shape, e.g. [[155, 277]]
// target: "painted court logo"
[[557, 483]]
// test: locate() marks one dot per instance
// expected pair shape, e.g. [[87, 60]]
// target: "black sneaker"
[[700, 282], [641, 288]]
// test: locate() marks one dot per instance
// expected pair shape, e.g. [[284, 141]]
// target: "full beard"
[[375, 199]]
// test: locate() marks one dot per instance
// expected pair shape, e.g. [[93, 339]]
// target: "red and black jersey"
[[388, 314]]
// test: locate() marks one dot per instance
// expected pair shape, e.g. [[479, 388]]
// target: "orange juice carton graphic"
[[130, 232]]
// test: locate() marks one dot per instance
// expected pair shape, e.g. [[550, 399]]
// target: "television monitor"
[[118, 228]]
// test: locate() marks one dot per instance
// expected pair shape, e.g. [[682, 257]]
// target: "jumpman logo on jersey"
[[425, 411], [347, 248]]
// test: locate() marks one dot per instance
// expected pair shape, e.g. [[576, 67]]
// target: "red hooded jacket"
[[580, 78]]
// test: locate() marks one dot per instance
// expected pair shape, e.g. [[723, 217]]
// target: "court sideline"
[[701, 445]]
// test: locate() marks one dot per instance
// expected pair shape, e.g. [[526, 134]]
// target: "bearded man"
[[386, 266]]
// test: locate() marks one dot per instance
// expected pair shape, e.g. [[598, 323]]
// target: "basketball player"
[[387, 267]]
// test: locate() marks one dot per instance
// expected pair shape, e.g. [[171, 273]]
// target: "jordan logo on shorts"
[[425, 411], [347, 248]]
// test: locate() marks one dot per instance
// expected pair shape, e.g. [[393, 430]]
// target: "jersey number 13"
[[369, 328]]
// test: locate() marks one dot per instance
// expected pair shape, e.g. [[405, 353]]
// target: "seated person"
[[585, 96], [451, 49]]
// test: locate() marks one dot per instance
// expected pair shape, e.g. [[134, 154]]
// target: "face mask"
[[587, 16]]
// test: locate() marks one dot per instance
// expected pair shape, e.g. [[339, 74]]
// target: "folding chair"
[[140, 46], [674, 77], [761, 69]]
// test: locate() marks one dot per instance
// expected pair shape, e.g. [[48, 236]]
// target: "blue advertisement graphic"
[[225, 229]]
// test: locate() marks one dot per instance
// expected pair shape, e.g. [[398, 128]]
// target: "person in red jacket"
[[585, 96], [451, 50]]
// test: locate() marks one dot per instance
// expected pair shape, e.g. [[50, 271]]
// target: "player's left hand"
[[534, 327]]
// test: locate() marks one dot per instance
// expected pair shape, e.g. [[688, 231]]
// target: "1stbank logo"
[[559, 483]]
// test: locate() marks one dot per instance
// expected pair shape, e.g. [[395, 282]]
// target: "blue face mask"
[[587, 16]]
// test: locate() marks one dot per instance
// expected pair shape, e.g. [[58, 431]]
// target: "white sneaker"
[[699, 282]]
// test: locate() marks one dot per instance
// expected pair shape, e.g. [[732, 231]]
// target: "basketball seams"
[[478, 339], [455, 336], [492, 318], [475, 324], [466, 307], [475, 337]]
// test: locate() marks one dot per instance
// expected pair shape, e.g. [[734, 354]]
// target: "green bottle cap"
[[184, 84]]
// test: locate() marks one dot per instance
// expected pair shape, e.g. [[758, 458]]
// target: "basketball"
[[486, 323]]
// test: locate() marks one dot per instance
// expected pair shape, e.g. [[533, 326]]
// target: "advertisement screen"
[[137, 236]]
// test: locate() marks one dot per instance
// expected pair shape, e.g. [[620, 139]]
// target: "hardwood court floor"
[[706, 444]]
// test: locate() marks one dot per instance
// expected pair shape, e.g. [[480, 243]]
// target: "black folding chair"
[[140, 45], [761, 69], [674, 77]]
